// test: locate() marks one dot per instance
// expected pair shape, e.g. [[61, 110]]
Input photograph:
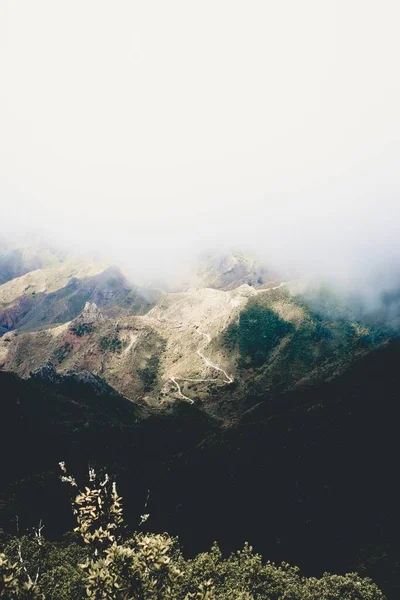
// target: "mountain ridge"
[[212, 346]]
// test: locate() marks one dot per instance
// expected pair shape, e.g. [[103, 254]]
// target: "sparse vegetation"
[[149, 373], [62, 352], [112, 343], [81, 329]]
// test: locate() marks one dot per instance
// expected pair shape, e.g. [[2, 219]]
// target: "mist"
[[151, 132]]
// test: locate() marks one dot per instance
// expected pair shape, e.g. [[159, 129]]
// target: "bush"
[[149, 373], [60, 577], [81, 329], [111, 343], [62, 352], [111, 564]]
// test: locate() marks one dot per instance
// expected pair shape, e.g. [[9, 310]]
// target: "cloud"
[[153, 131]]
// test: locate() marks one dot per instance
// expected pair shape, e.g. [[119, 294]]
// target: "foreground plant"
[[112, 564], [140, 566], [16, 577]]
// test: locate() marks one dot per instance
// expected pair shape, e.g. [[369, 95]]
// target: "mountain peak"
[[90, 314]]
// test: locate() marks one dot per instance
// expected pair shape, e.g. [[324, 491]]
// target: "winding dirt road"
[[133, 339], [208, 363], [228, 379], [173, 379]]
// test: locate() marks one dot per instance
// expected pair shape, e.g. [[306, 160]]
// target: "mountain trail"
[[208, 363], [173, 379], [133, 339]]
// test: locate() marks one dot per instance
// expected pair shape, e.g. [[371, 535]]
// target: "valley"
[[200, 344], [261, 403]]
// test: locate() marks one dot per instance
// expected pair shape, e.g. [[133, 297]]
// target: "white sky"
[[158, 128]]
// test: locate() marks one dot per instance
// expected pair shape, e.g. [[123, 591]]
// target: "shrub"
[[111, 343], [62, 352], [111, 564], [149, 373], [60, 577], [81, 329]]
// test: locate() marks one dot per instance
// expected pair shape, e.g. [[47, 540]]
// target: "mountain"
[[17, 260], [308, 476], [56, 294], [218, 342], [79, 419], [231, 270], [252, 407]]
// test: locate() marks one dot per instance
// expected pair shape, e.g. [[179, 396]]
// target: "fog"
[[152, 131]]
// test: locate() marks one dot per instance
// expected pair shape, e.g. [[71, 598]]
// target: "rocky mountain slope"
[[229, 271], [237, 394], [308, 476], [218, 342], [56, 294], [16, 260]]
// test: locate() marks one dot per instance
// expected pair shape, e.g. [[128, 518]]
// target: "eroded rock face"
[[91, 314]]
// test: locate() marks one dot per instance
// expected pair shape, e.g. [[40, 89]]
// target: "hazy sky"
[[152, 129]]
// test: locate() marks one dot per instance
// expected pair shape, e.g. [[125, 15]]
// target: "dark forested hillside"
[[81, 420], [309, 477]]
